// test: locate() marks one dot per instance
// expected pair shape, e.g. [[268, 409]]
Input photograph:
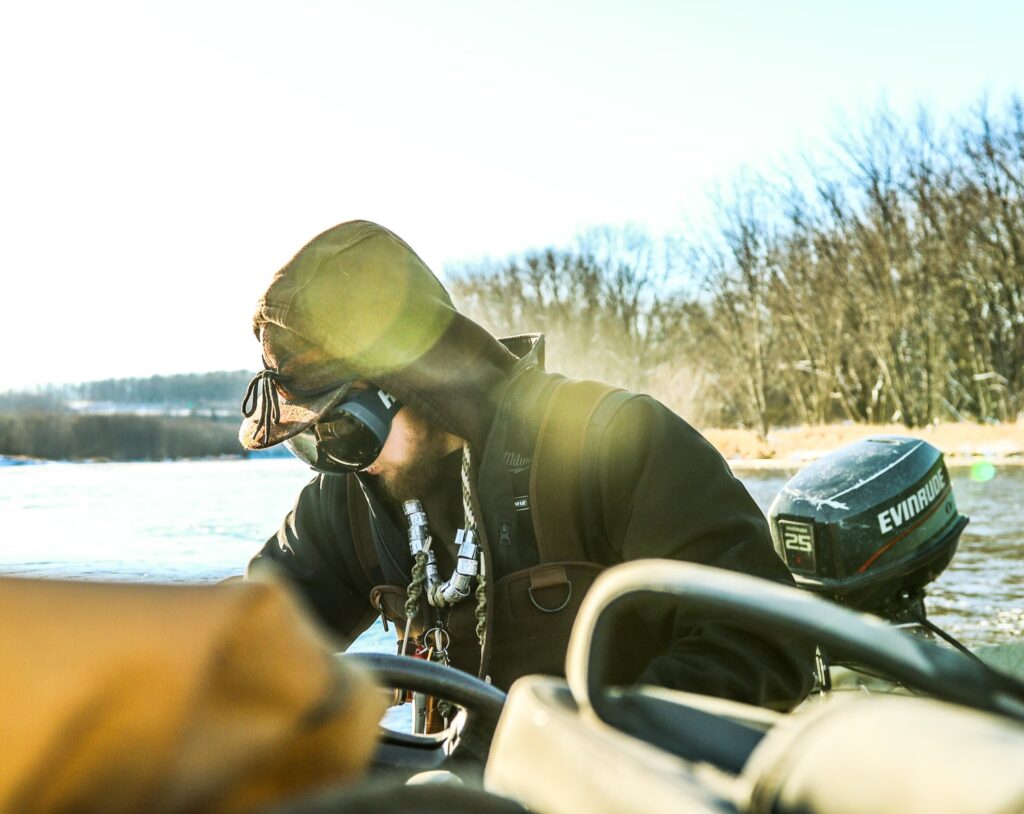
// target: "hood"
[[358, 303]]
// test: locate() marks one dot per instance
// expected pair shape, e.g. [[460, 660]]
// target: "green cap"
[[355, 303]]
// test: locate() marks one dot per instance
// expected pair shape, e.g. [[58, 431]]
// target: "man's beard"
[[415, 478]]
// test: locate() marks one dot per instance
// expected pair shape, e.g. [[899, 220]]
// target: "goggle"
[[351, 436]]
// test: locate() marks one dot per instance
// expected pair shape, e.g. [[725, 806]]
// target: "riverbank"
[[962, 444]]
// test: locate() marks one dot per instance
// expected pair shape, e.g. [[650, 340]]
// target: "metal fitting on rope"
[[420, 541], [419, 534], [433, 575], [466, 567], [442, 595]]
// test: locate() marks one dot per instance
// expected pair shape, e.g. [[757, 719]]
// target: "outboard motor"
[[870, 525]]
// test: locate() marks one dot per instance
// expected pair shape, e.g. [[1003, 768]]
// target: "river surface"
[[200, 521]]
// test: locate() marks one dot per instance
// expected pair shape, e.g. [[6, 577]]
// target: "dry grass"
[[961, 443]]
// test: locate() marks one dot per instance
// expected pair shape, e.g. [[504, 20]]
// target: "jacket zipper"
[[504, 542]]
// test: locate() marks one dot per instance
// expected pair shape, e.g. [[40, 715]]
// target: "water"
[[189, 521], [200, 521]]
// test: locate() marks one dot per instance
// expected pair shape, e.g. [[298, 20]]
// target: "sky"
[[159, 161]]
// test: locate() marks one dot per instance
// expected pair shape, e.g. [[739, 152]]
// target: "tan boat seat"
[[879, 754]]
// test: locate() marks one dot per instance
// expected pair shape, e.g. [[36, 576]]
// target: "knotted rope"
[[419, 569], [470, 520]]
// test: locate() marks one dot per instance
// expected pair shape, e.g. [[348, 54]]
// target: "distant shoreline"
[[782, 464], [962, 444]]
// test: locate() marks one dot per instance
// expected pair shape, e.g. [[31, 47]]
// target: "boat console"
[[586, 746]]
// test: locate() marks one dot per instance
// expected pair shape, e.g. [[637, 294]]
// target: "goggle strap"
[[365, 416], [375, 408]]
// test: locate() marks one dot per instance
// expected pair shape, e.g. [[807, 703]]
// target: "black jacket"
[[357, 302], [661, 491]]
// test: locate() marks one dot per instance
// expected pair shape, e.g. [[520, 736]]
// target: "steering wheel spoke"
[[482, 703]]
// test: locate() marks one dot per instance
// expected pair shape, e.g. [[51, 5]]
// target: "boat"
[[903, 717], [227, 699], [951, 741]]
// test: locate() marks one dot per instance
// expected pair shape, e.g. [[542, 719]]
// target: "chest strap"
[[563, 480]]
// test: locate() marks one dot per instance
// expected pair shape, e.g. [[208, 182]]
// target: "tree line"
[[220, 389], [63, 436], [885, 283], [43, 423]]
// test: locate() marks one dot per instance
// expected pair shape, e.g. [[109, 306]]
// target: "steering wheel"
[[778, 610], [481, 701]]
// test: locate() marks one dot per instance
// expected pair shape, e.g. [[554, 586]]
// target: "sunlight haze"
[[160, 161]]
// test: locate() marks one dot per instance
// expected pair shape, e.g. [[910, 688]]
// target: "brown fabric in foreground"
[[127, 698]]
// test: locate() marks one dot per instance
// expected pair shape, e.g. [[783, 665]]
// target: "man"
[[526, 485]]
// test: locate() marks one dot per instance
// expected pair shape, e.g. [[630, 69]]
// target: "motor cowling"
[[870, 524]]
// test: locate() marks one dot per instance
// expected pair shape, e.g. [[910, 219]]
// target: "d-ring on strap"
[[549, 578]]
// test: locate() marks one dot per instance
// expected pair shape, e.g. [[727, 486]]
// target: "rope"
[[467, 503], [481, 606], [262, 392], [413, 592], [470, 520], [419, 569]]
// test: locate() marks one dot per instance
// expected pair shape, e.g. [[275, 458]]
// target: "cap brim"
[[295, 417]]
